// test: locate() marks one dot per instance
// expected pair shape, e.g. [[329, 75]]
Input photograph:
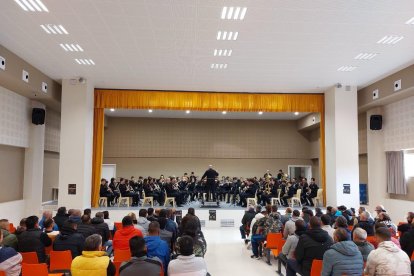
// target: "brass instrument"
[[268, 188]]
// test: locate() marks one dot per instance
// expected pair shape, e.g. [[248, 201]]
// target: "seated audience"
[[246, 220], [10, 260], [378, 210], [49, 226], [150, 215], [343, 257], [165, 235], [407, 242], [142, 221], [156, 247], [311, 245], [21, 228], [69, 239], [258, 233], [200, 245], [287, 215], [75, 215], [135, 222], [326, 225], [387, 259], [101, 227], [359, 236], [33, 239], [108, 221], [290, 224], [318, 212], [341, 222], [365, 224], [60, 217], [86, 228], [122, 236], [93, 261], [288, 249], [394, 240], [47, 215], [385, 218], [405, 227], [187, 263], [9, 240], [140, 264]]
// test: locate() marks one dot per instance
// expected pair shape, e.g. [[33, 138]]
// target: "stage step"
[[227, 223]]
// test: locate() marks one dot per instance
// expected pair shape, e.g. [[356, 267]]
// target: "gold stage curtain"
[[201, 101], [98, 140]]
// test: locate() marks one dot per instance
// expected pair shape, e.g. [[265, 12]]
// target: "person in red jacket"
[[122, 236]]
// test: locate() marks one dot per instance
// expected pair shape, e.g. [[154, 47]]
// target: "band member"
[[105, 191], [267, 175], [211, 176], [192, 187], [305, 191], [280, 175], [234, 190], [248, 191], [313, 187], [290, 191], [114, 188], [127, 191], [172, 190], [266, 193]]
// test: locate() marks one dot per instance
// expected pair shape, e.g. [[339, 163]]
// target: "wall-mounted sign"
[[212, 214], [71, 189], [347, 188]]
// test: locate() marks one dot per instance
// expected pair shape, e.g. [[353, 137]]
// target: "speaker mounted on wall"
[[38, 116], [375, 122]]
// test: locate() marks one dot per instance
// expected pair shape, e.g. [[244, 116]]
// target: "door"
[[108, 171]]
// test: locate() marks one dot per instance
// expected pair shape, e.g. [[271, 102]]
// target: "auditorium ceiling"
[[280, 46]]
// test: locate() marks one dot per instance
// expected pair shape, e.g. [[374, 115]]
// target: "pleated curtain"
[[396, 183]]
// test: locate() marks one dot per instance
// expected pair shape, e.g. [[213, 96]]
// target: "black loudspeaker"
[[38, 116], [375, 122]]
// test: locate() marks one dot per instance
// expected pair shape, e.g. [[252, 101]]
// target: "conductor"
[[211, 176]]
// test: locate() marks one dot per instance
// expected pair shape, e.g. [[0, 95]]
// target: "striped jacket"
[[10, 261]]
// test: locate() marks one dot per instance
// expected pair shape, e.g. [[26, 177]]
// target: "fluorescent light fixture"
[[71, 47], [54, 29], [366, 56], [112, 109], [233, 13], [410, 21], [390, 39], [260, 112], [218, 66], [32, 5], [224, 112], [296, 113], [187, 111], [150, 110], [84, 61], [347, 68], [224, 35]]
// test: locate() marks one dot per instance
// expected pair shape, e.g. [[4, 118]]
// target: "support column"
[[341, 143], [377, 186], [33, 167], [76, 139]]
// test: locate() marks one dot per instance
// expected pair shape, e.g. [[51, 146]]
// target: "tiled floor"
[[227, 255]]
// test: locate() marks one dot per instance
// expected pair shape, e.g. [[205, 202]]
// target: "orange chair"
[[29, 258], [372, 240], [117, 267], [37, 269], [48, 249], [316, 269], [279, 247], [412, 256], [12, 229], [272, 240], [122, 255], [60, 260], [2, 273], [350, 227], [118, 225]]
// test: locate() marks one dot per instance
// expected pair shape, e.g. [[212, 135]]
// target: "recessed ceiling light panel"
[[233, 13], [223, 52], [224, 112], [32, 5], [347, 68], [150, 110], [84, 61], [218, 66], [187, 111], [260, 112], [410, 21], [71, 47], [225, 35], [390, 39], [366, 56], [54, 29]]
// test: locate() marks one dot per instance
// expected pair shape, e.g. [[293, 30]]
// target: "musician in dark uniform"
[[211, 176], [313, 187], [105, 191]]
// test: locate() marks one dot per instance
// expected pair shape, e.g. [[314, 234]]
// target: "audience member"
[[140, 264], [326, 225], [156, 247], [290, 224], [47, 215], [341, 222], [69, 239], [387, 259], [359, 236], [33, 239], [93, 261], [61, 217], [394, 240], [365, 224], [246, 221], [288, 249], [108, 221], [21, 228], [85, 228], [101, 227], [385, 218], [150, 215], [405, 227], [407, 242], [187, 263], [10, 260], [49, 226], [122, 236], [75, 215], [343, 257], [165, 235], [259, 233], [378, 210], [311, 245], [287, 215], [200, 245], [9, 240], [318, 212], [142, 221]]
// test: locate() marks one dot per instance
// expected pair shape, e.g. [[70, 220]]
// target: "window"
[[409, 163]]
